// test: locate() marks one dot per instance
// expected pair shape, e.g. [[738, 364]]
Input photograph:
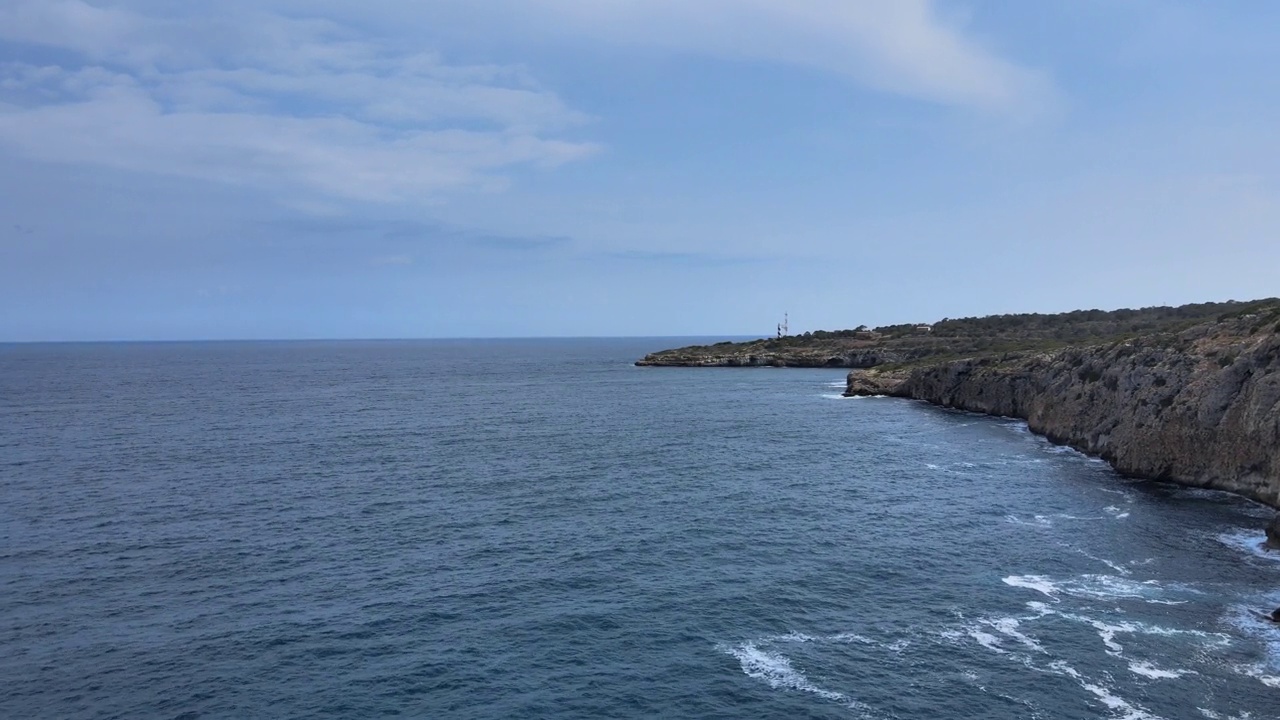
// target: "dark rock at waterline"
[[1273, 534]]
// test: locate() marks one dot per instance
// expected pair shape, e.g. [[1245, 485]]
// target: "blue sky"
[[282, 169]]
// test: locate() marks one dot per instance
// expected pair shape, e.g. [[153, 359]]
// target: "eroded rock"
[[1198, 408]]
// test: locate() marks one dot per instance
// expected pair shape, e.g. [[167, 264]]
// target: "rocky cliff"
[[951, 338], [761, 355], [1199, 407]]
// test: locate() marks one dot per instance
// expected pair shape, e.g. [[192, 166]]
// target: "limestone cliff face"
[[1199, 408]]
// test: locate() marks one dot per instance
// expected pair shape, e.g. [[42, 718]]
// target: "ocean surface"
[[538, 529]]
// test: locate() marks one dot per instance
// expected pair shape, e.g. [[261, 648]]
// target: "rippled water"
[[498, 529]]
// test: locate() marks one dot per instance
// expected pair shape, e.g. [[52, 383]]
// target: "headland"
[[1189, 395]]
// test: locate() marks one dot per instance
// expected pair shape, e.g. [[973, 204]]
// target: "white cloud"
[[241, 94], [904, 47], [100, 34], [270, 102], [900, 46], [121, 124]]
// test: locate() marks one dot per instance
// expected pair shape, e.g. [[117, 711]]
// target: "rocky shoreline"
[[1199, 408], [1188, 395]]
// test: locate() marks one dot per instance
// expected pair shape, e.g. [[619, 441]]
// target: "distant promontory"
[[1187, 394]]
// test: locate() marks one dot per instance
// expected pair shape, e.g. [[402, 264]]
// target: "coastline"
[[1187, 395], [1200, 408]]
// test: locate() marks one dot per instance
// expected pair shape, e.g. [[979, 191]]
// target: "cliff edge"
[[952, 338], [1200, 407]]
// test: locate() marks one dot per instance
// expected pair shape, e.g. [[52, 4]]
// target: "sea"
[[540, 529]]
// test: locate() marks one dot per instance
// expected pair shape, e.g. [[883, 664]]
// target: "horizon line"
[[160, 341]]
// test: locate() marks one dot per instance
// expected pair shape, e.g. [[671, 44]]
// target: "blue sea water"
[[538, 529]]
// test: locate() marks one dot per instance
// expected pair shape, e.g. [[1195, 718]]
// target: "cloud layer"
[[905, 47], [899, 46], [270, 96], [271, 102]]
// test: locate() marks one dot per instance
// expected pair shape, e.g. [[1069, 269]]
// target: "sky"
[[512, 168]]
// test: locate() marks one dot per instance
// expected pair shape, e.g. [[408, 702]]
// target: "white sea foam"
[[793, 637], [1125, 710], [1040, 521], [1261, 673], [1219, 716], [1208, 639], [1249, 541], [1122, 709], [1093, 587], [835, 396], [1045, 521], [1126, 495], [1251, 621], [776, 670], [1009, 628], [1104, 694], [1034, 582], [1107, 632], [1115, 512], [1061, 668], [986, 640], [1146, 669], [1118, 568], [796, 637], [897, 646], [1003, 636]]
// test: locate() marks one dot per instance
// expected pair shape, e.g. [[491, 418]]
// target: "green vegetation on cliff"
[[907, 345]]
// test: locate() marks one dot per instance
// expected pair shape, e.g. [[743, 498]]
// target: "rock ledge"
[[1198, 408]]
